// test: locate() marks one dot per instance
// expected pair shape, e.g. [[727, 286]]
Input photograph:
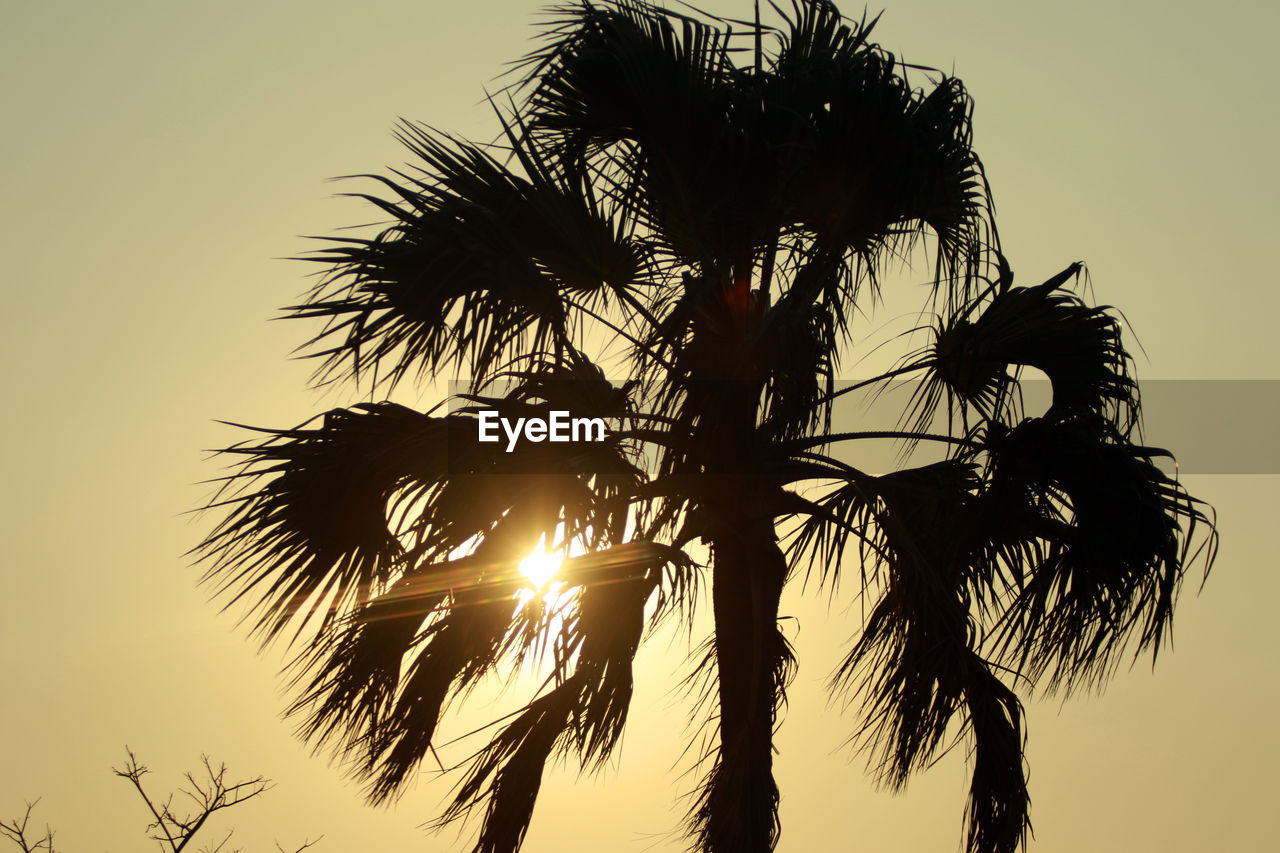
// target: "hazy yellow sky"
[[159, 156]]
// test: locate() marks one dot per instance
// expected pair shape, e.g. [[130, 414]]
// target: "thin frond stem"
[[622, 333], [818, 441], [900, 371]]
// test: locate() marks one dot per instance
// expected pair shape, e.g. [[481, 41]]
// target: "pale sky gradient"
[[160, 155]]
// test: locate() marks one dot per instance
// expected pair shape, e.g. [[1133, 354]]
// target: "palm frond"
[[641, 92], [875, 161], [915, 650], [460, 647], [297, 543], [506, 774], [997, 819], [606, 628], [846, 510], [1118, 537], [586, 711], [473, 268], [1047, 327], [917, 667]]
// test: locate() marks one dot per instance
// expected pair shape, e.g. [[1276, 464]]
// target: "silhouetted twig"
[[16, 831], [175, 832]]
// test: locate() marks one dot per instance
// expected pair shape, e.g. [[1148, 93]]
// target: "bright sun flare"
[[540, 567]]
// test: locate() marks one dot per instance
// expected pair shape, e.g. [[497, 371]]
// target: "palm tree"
[[718, 196]]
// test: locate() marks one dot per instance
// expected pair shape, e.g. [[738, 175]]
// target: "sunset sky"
[[162, 159]]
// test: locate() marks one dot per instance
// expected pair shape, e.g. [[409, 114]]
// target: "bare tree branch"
[[16, 831], [175, 832], [209, 794]]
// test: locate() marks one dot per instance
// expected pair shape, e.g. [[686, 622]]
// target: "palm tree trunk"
[[738, 809], [741, 802]]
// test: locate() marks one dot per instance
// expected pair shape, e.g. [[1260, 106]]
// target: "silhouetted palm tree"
[[720, 196]]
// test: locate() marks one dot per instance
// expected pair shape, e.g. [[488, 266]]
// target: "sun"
[[541, 588], [541, 566]]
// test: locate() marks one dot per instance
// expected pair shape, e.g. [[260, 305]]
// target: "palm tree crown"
[[719, 196]]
